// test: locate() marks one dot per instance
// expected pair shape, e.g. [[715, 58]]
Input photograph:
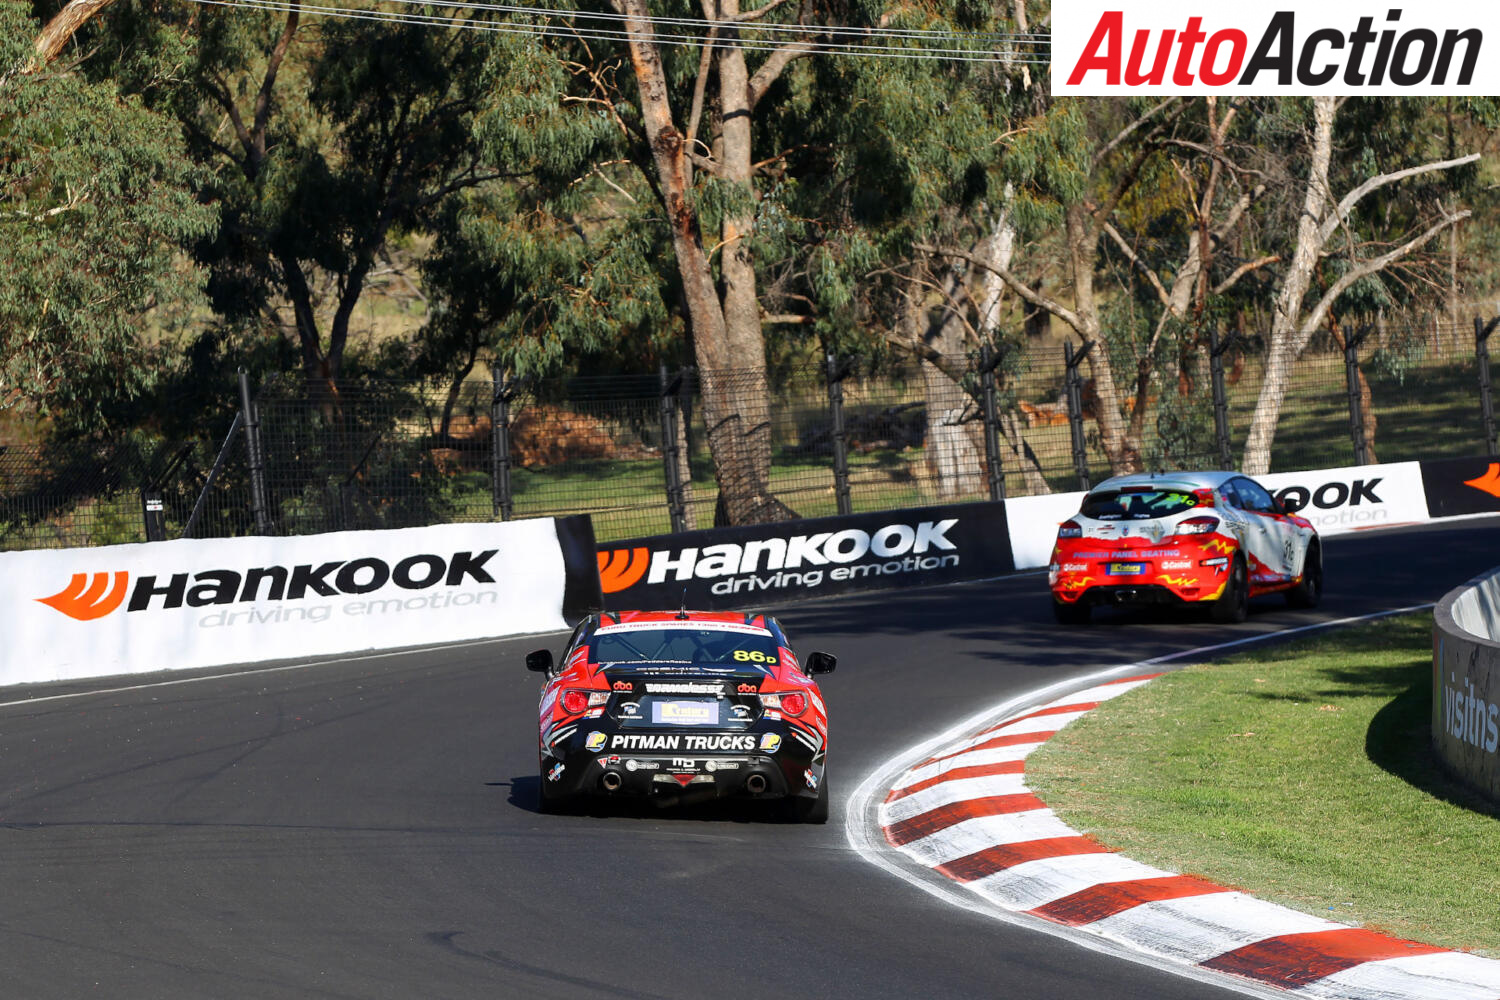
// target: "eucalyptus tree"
[[96, 208], [1358, 220], [324, 138]]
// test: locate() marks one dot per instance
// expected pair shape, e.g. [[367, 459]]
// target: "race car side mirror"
[[539, 660], [821, 663]]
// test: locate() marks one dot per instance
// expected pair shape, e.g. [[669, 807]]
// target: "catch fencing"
[[839, 436]]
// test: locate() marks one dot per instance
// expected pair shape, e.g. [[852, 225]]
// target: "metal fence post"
[[501, 499], [1482, 331], [1074, 384], [258, 506], [1216, 351], [989, 360], [1356, 409], [676, 506], [837, 371]]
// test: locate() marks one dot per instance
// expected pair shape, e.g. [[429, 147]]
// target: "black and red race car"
[[682, 706]]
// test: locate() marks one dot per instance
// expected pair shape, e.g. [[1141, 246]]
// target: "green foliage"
[[96, 205]]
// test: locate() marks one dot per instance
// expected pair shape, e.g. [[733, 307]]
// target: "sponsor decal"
[[622, 568], [1327, 496], [722, 765], [1177, 564], [769, 743], [1487, 483], [691, 742], [810, 778], [1219, 561], [630, 710], [818, 549], [686, 713], [556, 772], [1075, 567], [729, 567], [740, 713], [684, 764], [747, 689], [623, 686], [1149, 553], [1468, 717], [595, 741], [652, 688], [86, 598], [1290, 48], [1455, 486]]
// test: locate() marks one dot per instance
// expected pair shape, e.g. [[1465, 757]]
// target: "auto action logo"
[[1334, 48], [91, 596], [793, 561]]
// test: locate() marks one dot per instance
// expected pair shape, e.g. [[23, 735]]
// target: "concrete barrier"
[[1466, 683]]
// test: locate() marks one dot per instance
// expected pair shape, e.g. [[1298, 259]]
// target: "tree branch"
[[1015, 284], [1332, 222]]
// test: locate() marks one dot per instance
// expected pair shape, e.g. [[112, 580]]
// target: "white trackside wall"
[[1334, 500], [206, 602]]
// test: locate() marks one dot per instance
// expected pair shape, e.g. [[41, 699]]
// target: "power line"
[[592, 33]]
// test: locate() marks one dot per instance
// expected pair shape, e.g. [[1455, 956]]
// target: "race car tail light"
[[791, 703], [578, 702], [1070, 529], [1197, 526]]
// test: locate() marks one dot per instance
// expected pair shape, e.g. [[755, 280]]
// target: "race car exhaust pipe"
[[611, 781], [755, 784]]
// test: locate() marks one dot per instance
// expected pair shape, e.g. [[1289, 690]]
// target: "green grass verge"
[[1301, 773]]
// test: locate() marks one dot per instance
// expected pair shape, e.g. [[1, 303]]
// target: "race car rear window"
[[1136, 504], [716, 647]]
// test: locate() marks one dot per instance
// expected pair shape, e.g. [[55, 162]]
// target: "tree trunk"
[[743, 489], [1123, 453], [955, 460], [1284, 346]]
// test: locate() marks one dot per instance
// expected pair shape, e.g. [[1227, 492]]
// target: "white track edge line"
[[860, 826]]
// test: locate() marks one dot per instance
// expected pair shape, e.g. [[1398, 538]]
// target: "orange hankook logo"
[[622, 568], [1489, 482], [86, 599]]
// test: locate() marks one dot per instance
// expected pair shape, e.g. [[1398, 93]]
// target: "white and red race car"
[[1182, 537]]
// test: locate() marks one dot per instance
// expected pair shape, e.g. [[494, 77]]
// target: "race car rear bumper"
[[791, 770]]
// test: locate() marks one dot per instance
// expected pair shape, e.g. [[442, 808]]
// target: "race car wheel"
[[1233, 606], [801, 810], [1076, 613], [548, 802], [1307, 593]]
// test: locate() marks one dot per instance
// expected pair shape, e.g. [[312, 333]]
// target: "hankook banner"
[[794, 560], [1462, 486], [72, 613], [1333, 47]]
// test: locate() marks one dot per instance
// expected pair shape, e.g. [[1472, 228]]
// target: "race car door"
[[1270, 538]]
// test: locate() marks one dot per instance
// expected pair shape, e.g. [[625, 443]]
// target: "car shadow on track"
[[525, 790]]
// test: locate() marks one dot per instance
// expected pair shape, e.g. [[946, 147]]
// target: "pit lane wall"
[[124, 609], [1466, 683]]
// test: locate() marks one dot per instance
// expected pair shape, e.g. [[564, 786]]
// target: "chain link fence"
[[634, 451]]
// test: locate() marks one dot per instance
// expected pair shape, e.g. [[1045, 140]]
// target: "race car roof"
[[726, 621]]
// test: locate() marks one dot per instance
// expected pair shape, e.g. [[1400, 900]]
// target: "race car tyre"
[[1307, 593], [801, 810], [549, 803], [1233, 606], [1070, 614]]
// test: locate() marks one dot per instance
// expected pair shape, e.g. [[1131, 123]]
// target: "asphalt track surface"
[[365, 828]]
